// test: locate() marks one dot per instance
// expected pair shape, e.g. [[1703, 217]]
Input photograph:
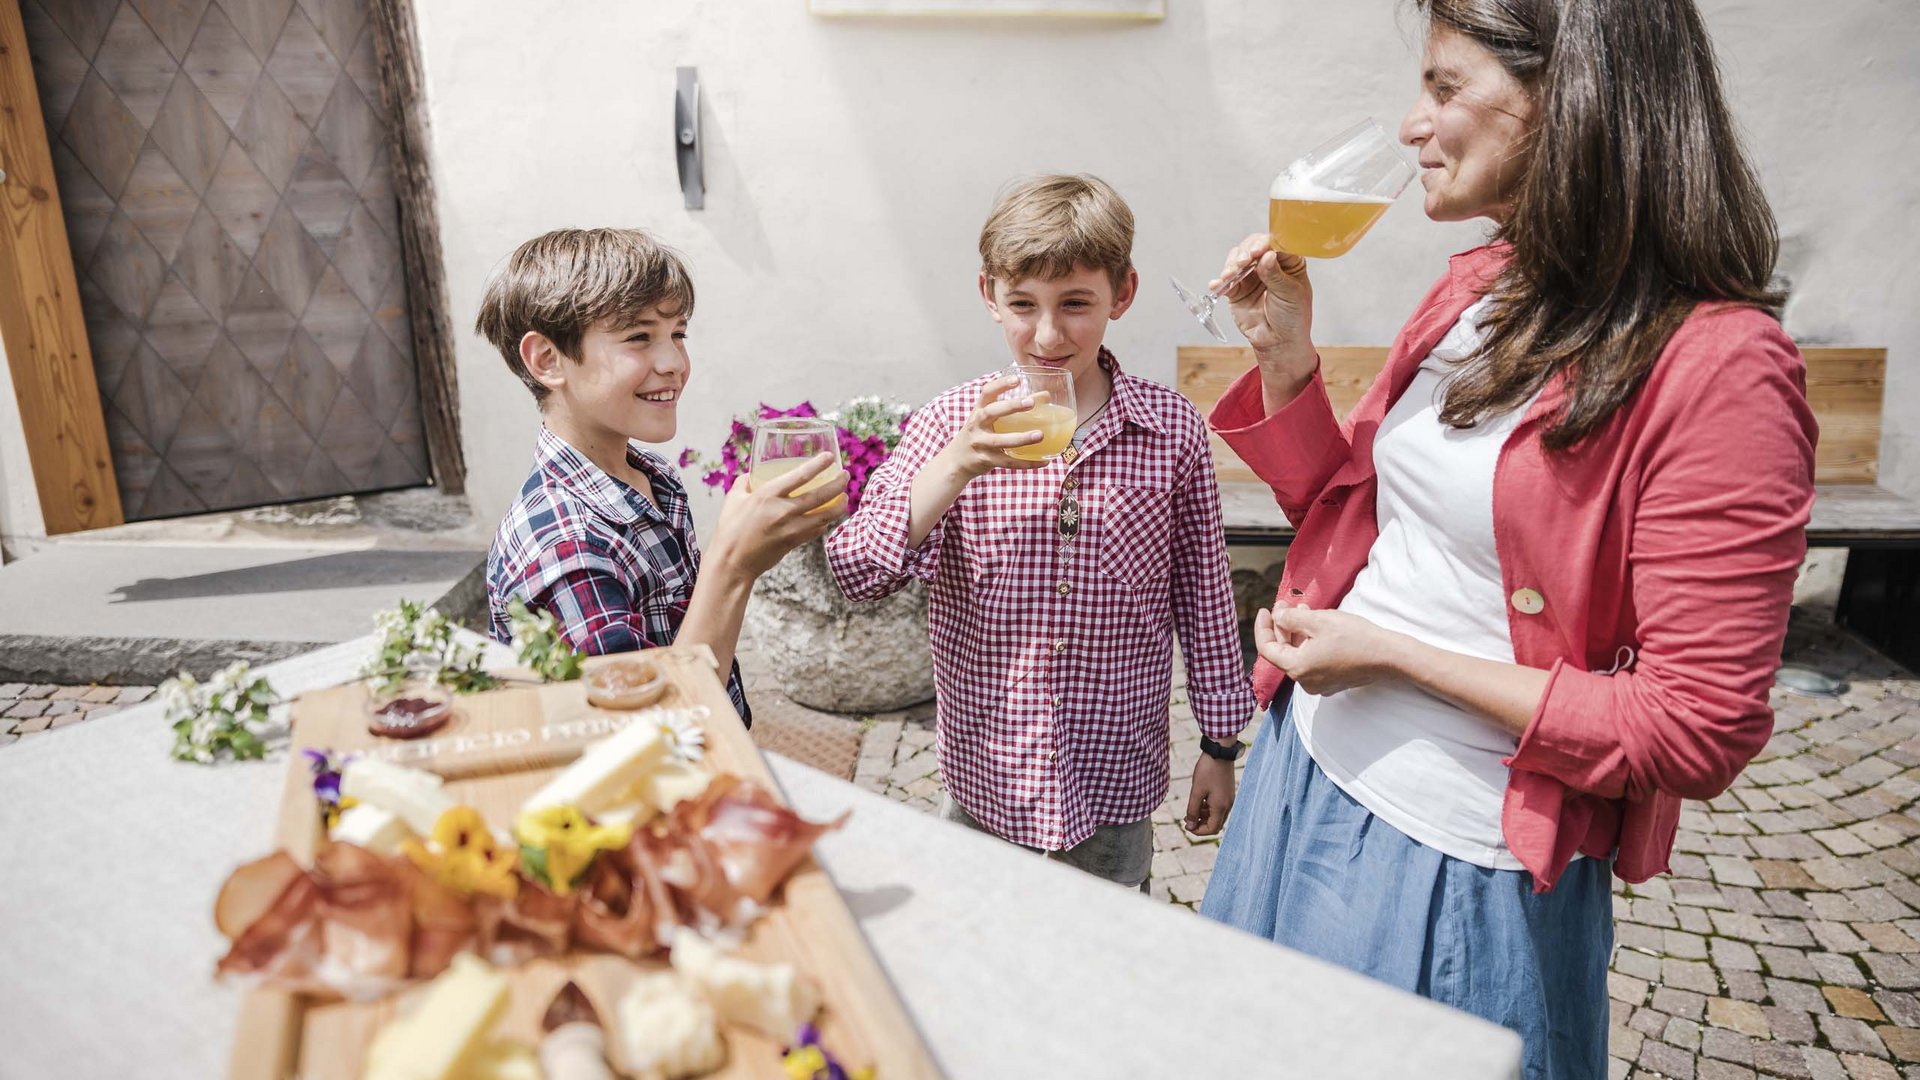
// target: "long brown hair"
[[1636, 204]]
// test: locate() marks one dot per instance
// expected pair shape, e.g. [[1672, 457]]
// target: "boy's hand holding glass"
[[761, 521], [1007, 430]]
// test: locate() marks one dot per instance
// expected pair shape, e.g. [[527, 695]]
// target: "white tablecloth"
[[1013, 966]]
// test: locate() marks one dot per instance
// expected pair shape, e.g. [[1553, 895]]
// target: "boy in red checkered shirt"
[[1056, 586]]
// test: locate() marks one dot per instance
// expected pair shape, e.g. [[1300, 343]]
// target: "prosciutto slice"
[[358, 924], [536, 922], [341, 929], [758, 841]]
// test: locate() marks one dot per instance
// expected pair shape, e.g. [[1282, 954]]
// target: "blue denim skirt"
[[1306, 866]]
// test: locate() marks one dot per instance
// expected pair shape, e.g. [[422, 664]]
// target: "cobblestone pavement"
[[1786, 941], [32, 708], [896, 760]]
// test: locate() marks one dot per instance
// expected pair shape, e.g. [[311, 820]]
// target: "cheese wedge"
[[773, 999], [412, 795], [370, 827], [446, 1036], [602, 778], [672, 782], [506, 1061]]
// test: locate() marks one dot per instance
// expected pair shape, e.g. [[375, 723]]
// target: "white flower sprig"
[[226, 715], [417, 641], [537, 643]]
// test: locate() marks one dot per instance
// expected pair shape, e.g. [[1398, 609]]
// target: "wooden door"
[[223, 171]]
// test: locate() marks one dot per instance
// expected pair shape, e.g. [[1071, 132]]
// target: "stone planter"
[[836, 656]]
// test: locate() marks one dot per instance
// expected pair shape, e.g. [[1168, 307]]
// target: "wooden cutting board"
[[501, 747]]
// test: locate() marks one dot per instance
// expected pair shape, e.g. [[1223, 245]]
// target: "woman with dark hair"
[[1541, 575]]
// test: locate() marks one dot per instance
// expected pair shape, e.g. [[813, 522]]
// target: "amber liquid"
[[1054, 422], [1320, 228], [766, 471]]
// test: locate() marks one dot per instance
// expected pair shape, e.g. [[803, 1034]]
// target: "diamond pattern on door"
[[229, 200]]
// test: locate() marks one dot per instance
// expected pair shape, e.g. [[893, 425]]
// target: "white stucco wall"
[[850, 163], [20, 517]]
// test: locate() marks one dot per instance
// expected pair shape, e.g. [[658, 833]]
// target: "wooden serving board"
[[501, 747]]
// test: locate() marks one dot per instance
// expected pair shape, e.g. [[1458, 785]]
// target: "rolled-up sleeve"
[[1294, 451], [580, 583], [1717, 539]]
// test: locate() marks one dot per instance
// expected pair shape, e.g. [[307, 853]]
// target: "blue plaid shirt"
[[616, 571]]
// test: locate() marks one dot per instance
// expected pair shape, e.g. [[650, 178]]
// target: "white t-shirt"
[[1421, 764]]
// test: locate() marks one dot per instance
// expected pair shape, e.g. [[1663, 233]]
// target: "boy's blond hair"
[[1044, 226], [566, 281]]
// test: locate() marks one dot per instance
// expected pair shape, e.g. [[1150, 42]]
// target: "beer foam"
[[1289, 186]]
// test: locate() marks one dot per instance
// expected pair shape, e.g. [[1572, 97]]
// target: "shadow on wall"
[[346, 569], [740, 232]]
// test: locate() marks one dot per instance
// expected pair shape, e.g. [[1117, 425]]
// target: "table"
[[1013, 966]]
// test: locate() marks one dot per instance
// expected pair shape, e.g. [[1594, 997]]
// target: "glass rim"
[[1346, 136], [1036, 369], [793, 423]]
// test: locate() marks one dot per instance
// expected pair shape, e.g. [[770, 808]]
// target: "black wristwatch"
[[1222, 751]]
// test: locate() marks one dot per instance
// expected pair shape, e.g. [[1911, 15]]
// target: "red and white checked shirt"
[[1054, 674]]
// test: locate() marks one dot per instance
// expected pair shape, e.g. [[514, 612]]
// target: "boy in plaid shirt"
[[594, 322], [1055, 587]]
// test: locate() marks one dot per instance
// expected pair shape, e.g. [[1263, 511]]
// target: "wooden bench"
[[1880, 596]]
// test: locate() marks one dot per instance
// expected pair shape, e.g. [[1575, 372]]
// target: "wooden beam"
[[402, 90], [1845, 387], [40, 318]]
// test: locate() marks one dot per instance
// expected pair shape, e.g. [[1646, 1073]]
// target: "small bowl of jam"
[[409, 712], [626, 684]]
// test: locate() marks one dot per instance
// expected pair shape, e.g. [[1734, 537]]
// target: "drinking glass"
[[1053, 413], [783, 444], [1321, 205]]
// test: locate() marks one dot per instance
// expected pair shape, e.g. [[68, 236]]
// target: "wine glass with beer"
[[784, 443], [1053, 413], [1322, 204]]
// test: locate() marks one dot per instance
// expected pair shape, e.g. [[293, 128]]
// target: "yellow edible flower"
[[567, 841], [804, 1063], [465, 857]]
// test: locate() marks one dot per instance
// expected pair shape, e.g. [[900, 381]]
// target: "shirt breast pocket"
[[1136, 536]]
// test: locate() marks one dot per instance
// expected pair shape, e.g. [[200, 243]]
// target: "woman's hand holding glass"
[[1273, 307]]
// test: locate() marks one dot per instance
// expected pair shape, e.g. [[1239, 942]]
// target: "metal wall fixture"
[[686, 137]]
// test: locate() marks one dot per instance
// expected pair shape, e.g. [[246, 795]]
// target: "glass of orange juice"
[[785, 443], [1053, 413], [1322, 204]]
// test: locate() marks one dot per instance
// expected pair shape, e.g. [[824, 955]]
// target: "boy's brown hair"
[[1044, 226], [564, 282]]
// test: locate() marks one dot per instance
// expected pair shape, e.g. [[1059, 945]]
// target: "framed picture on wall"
[[1097, 9]]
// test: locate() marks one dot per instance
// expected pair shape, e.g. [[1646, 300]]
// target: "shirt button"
[[1060, 646], [1056, 700], [1069, 484], [1528, 602], [1063, 588], [1053, 755]]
